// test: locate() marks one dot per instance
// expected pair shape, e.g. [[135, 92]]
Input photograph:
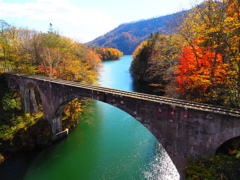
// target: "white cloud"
[[65, 16], [43, 10], [52, 1]]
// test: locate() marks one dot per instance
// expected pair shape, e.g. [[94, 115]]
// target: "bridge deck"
[[159, 99]]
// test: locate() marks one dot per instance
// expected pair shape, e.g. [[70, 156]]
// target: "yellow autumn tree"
[[61, 57], [13, 56], [232, 51]]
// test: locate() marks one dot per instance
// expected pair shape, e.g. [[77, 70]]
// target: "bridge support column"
[[179, 162], [53, 114], [29, 101], [56, 124]]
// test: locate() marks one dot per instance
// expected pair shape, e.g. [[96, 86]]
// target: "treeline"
[[108, 53], [46, 54], [201, 60]]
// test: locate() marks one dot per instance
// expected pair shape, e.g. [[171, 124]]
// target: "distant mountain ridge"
[[126, 37]]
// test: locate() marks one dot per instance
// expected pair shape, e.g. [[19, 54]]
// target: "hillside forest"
[[200, 62], [126, 37]]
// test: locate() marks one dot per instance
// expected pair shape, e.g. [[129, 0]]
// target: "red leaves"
[[46, 69], [200, 68], [233, 9]]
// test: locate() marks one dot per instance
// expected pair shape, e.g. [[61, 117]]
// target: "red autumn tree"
[[200, 73]]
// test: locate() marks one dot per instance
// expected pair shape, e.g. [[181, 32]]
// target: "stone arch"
[[57, 119], [224, 147], [57, 114]]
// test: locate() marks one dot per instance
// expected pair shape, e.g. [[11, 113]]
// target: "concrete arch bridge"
[[183, 128]]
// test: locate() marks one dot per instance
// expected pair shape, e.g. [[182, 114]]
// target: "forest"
[[199, 62], [45, 54]]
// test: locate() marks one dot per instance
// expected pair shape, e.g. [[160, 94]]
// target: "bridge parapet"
[[147, 97]]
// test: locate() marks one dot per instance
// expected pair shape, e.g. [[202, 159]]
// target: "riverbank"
[[19, 131]]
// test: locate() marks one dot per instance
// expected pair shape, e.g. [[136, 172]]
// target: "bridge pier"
[[56, 124], [53, 107]]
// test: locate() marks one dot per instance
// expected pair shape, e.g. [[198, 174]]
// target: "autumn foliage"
[[48, 54], [108, 53], [210, 58], [201, 60], [200, 70]]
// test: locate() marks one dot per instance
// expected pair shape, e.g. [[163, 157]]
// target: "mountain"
[[126, 37]]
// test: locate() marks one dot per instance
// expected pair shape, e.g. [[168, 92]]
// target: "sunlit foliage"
[[210, 35], [201, 73], [48, 54], [108, 53]]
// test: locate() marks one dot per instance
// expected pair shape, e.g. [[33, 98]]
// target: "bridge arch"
[[228, 145], [57, 114], [59, 110], [120, 103]]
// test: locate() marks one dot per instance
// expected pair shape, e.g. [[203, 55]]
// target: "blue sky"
[[85, 20]]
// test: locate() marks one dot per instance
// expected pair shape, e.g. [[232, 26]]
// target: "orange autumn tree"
[[201, 73]]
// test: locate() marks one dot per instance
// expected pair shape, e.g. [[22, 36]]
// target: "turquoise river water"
[[108, 144]]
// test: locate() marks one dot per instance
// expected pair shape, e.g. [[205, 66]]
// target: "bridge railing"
[[142, 96]]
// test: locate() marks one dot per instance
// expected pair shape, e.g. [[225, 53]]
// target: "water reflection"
[[161, 167]]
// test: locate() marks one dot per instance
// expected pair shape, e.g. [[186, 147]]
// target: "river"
[[107, 144]]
